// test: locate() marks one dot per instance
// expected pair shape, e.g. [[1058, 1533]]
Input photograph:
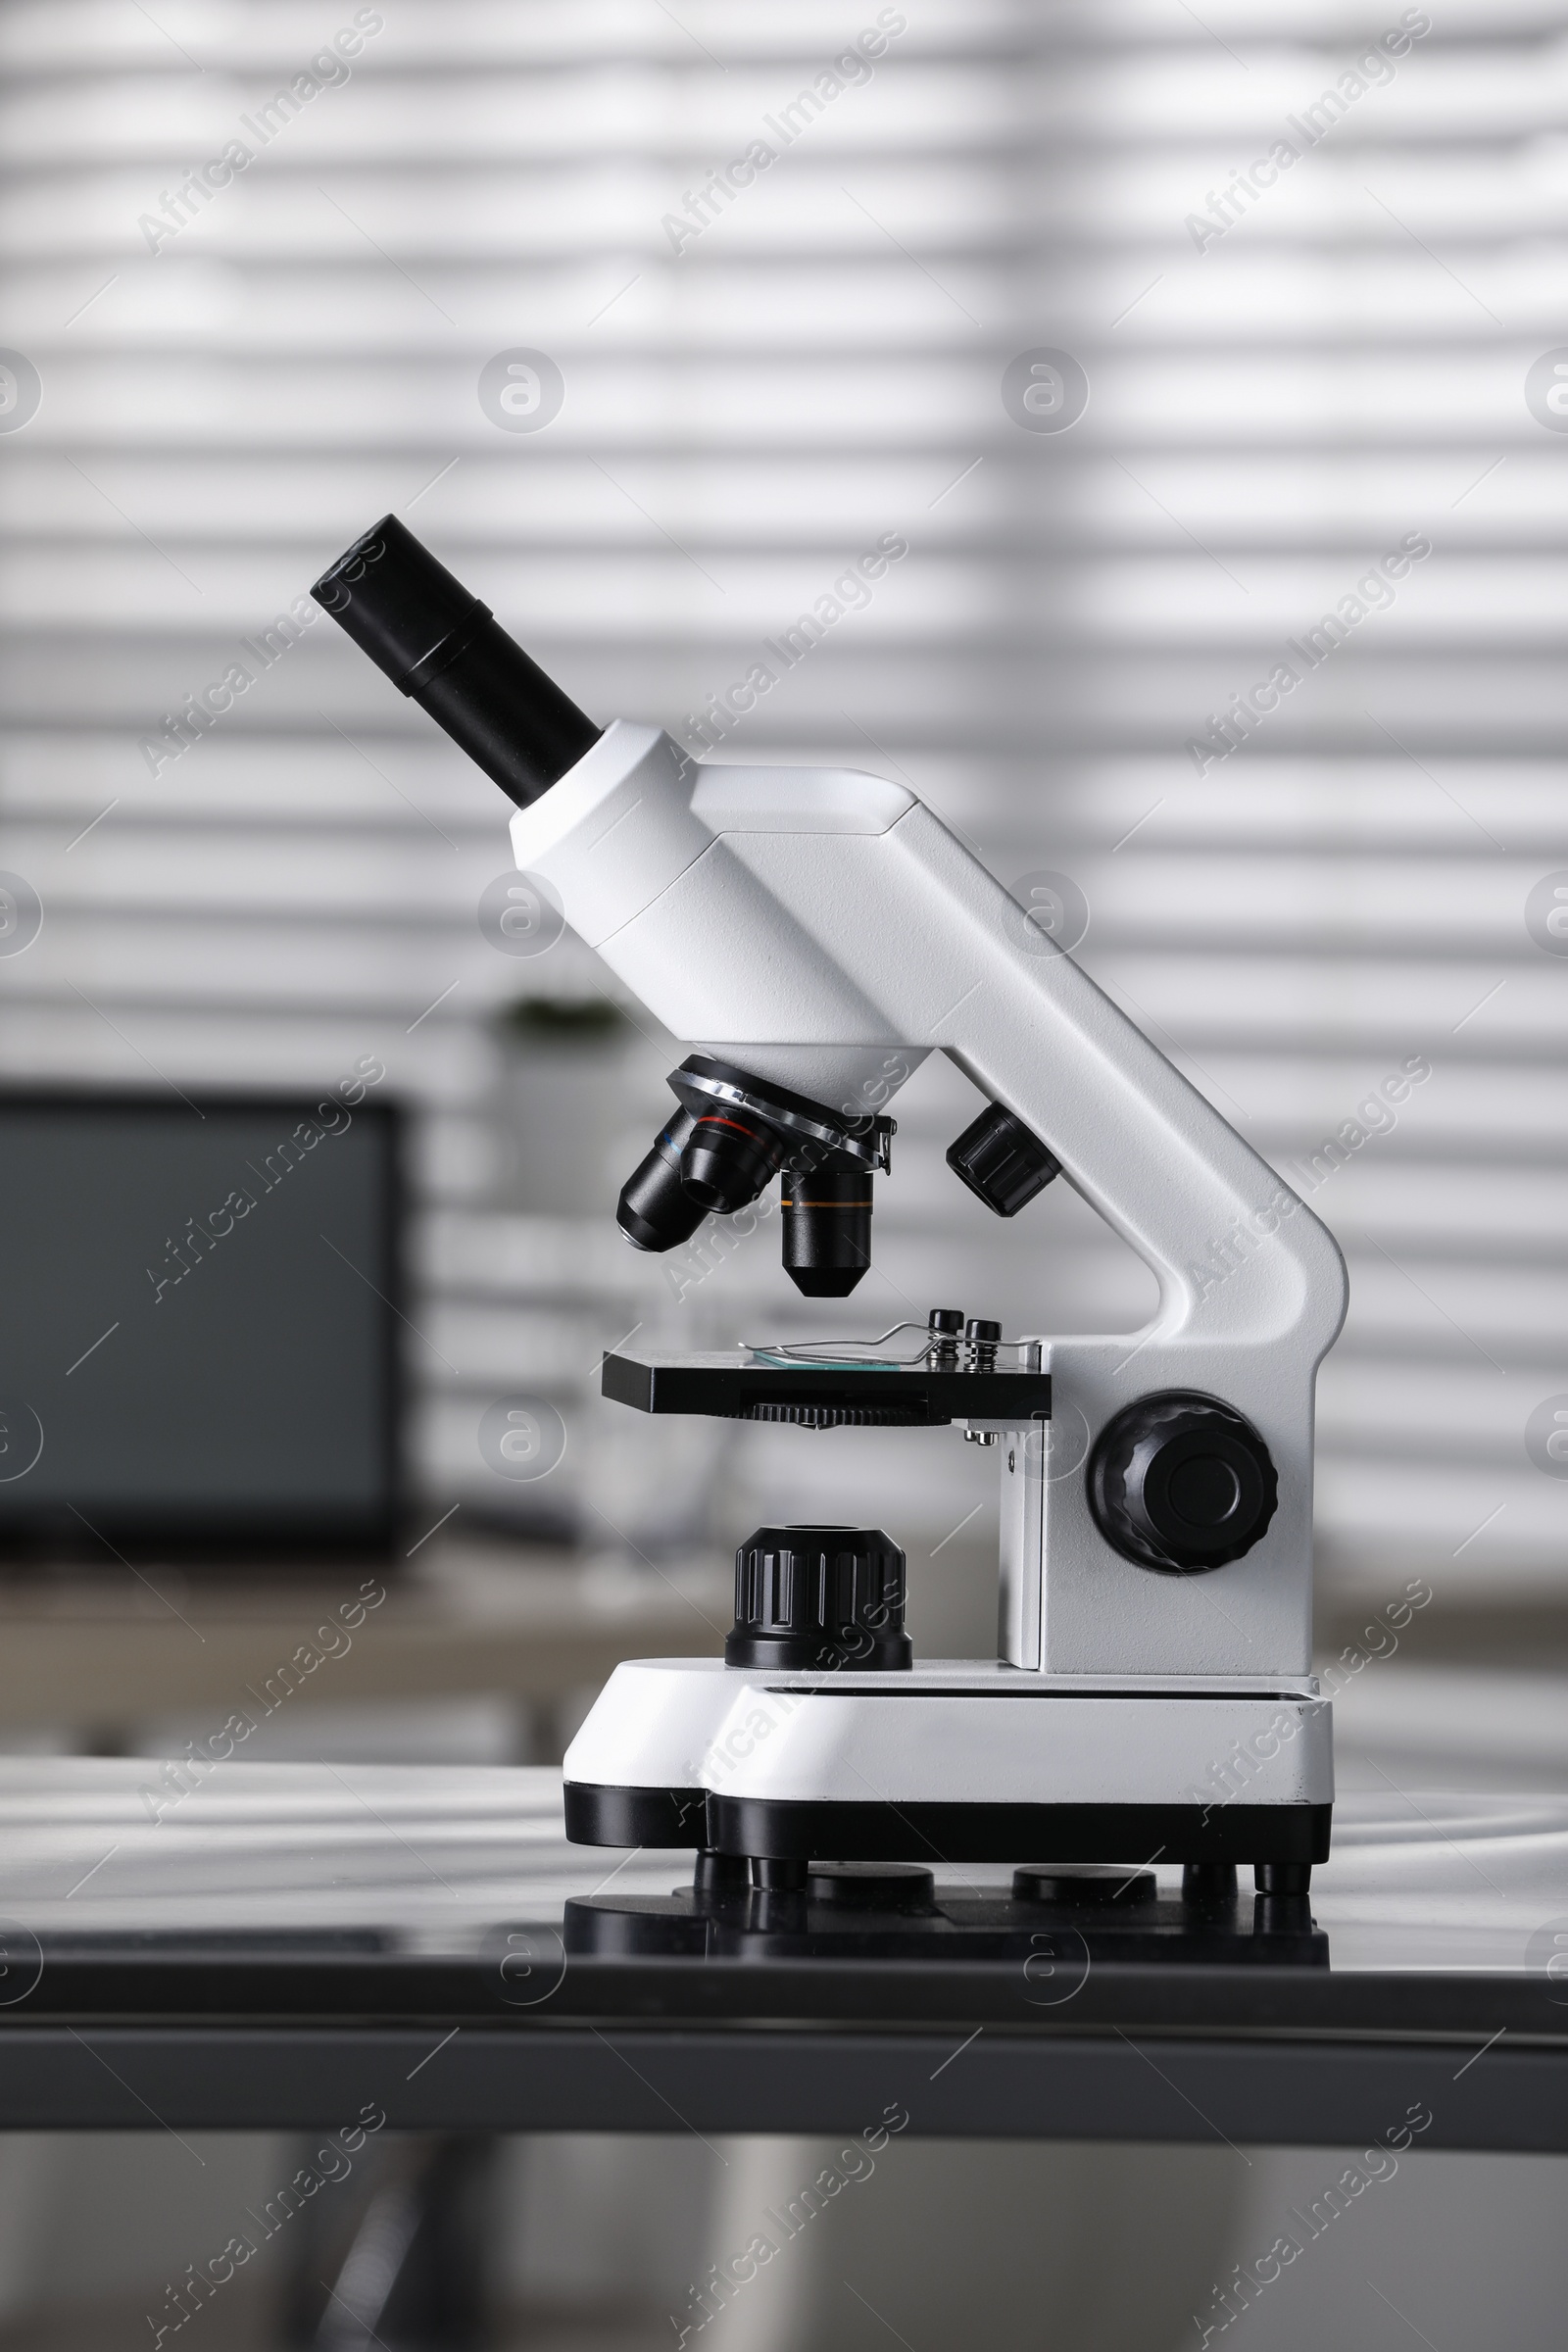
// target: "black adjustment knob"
[[943, 1323], [1181, 1482], [1002, 1160], [984, 1338], [818, 1597]]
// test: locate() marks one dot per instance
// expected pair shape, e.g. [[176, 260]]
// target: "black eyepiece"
[[438, 643]]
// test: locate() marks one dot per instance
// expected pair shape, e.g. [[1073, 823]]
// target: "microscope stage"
[[740, 1386]]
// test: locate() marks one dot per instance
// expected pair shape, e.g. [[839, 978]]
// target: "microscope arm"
[[818, 933], [826, 930], [810, 923]]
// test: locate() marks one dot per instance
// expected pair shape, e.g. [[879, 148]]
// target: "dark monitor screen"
[[197, 1312]]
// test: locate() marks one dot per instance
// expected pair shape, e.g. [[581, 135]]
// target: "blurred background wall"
[[1262, 377], [1152, 339], [727, 394]]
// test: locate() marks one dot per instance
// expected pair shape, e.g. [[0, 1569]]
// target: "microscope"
[[814, 934]]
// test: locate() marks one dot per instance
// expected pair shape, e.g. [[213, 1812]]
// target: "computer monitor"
[[198, 1302]]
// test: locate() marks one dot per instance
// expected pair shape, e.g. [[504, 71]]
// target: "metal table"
[[279, 1946]]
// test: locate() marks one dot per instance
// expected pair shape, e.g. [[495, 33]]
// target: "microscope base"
[[848, 1830], [853, 1832], [956, 1761]]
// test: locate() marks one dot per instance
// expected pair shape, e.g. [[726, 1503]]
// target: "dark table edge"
[[981, 2084], [350, 1993]]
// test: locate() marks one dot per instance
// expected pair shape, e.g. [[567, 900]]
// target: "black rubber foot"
[[720, 1873], [1083, 1883], [871, 1887], [1211, 1882], [1283, 1878], [779, 1877]]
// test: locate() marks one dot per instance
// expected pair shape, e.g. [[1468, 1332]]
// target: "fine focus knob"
[[1002, 1161], [818, 1597], [1181, 1482]]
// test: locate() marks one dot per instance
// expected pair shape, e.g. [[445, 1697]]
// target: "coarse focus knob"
[[1180, 1483], [818, 1597]]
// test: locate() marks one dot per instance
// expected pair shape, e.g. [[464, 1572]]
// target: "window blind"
[[1314, 895]]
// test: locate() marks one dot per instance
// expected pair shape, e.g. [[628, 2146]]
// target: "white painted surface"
[[955, 1732], [751, 911]]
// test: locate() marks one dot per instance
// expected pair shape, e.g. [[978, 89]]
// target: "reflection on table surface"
[[428, 1858]]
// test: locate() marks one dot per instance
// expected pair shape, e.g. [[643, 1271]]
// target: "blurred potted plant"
[[561, 1103]]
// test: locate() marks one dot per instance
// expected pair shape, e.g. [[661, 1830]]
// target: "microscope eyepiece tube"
[[438, 643]]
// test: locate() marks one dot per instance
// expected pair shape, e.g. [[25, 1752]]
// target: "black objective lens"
[[827, 1228], [727, 1160], [438, 643], [731, 1137], [654, 1211]]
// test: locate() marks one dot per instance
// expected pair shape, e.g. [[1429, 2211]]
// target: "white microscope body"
[[814, 935], [824, 931]]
